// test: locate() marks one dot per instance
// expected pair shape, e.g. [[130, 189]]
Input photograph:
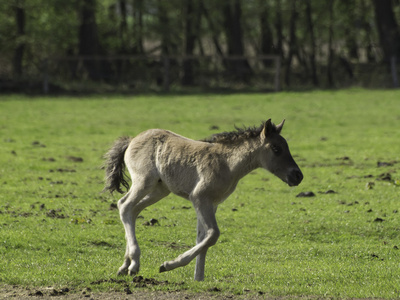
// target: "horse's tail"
[[115, 166]]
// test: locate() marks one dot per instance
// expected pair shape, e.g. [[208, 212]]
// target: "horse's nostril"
[[295, 177], [298, 175]]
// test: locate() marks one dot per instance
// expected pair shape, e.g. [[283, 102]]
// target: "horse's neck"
[[243, 158]]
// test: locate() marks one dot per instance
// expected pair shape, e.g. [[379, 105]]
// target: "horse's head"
[[276, 156]]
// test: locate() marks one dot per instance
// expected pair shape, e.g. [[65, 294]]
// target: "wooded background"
[[204, 43]]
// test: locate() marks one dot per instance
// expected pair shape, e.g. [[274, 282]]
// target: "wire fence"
[[163, 72], [132, 73]]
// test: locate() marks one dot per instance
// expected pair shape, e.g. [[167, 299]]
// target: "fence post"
[[45, 76], [277, 84], [166, 73], [393, 69]]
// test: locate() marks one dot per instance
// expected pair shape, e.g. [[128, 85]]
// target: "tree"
[[309, 36], [388, 29], [20, 37], [191, 33], [89, 43], [368, 31], [312, 55], [292, 40], [267, 40], [279, 29], [166, 27], [123, 26], [213, 29], [232, 12], [138, 26], [330, 44], [348, 8]]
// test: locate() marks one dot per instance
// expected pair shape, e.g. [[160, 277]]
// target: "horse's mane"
[[238, 135]]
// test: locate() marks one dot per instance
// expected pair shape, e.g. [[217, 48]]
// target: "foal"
[[205, 172]]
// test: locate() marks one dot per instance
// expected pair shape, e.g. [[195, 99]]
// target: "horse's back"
[[179, 162], [156, 148], [154, 138]]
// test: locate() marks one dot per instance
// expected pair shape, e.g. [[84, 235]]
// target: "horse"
[[204, 171]]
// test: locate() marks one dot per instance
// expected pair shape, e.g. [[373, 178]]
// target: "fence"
[[144, 71], [133, 73]]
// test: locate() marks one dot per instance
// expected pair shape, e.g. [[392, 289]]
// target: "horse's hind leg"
[[130, 207], [124, 268]]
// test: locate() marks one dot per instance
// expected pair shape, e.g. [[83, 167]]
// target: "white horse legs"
[[207, 236], [201, 258], [139, 198], [130, 206]]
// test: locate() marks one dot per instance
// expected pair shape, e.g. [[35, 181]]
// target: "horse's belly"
[[177, 189], [180, 181]]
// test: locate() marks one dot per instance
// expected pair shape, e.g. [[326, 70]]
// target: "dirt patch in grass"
[[132, 291]]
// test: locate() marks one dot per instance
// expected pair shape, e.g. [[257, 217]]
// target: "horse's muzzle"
[[294, 177]]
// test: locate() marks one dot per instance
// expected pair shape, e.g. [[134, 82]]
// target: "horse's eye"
[[276, 149]]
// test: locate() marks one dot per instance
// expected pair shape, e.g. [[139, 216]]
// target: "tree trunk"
[[168, 44], [278, 28], [212, 28], [330, 45], [388, 29], [369, 47], [350, 34], [310, 28], [138, 26], [88, 36], [123, 27], [232, 12], [192, 25], [20, 49], [267, 40], [89, 44], [292, 41], [164, 28]]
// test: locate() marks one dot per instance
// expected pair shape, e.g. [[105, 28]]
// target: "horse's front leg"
[[206, 217], [201, 258]]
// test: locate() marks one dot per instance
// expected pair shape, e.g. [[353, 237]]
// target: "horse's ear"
[[279, 126], [267, 130]]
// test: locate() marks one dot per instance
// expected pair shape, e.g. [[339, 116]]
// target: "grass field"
[[57, 228]]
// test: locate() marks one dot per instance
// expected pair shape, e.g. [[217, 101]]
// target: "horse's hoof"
[[122, 272], [133, 273], [163, 268]]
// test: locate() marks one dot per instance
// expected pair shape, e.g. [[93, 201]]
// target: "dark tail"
[[115, 166]]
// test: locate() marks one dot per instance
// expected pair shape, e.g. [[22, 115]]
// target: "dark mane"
[[235, 136]]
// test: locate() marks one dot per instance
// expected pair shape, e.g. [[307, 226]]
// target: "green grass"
[[57, 229]]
